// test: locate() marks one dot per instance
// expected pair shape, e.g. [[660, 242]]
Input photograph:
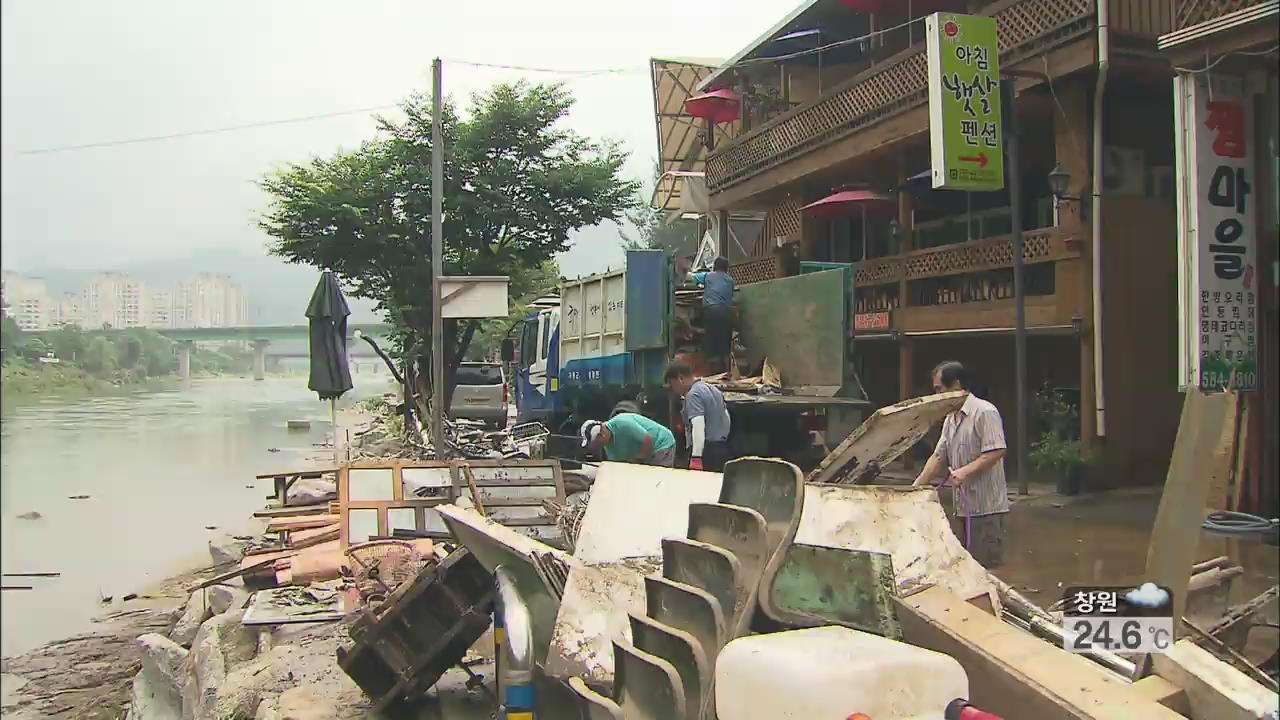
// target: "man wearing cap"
[[632, 438], [706, 419]]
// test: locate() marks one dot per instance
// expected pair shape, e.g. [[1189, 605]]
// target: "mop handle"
[[962, 508]]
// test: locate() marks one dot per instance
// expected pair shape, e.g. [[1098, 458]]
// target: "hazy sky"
[[90, 71]]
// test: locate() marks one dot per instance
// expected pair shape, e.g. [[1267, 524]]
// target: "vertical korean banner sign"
[[1217, 274], [966, 139]]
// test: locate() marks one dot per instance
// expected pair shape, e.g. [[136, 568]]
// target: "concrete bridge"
[[280, 341], [267, 341]]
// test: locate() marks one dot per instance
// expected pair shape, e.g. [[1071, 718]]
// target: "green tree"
[[10, 337], [100, 356], [516, 185], [69, 343], [655, 231]]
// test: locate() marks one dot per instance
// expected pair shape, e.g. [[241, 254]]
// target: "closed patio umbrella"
[[327, 317]]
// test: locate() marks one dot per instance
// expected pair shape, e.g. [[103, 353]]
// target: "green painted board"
[[823, 585], [800, 323], [966, 138]]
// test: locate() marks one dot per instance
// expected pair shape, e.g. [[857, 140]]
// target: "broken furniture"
[[282, 481], [402, 647], [377, 498], [881, 438]]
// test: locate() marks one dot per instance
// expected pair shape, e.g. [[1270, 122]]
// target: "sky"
[[87, 71]]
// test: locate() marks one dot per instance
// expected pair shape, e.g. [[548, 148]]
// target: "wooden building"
[[1229, 51], [835, 96]]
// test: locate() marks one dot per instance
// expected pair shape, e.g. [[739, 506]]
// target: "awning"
[[681, 151], [850, 202], [717, 106]]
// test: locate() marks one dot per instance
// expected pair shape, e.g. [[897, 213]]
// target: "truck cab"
[[537, 364]]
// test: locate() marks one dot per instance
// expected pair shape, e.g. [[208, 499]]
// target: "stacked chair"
[[713, 580]]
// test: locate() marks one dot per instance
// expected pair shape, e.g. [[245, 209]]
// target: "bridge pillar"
[[184, 358], [260, 358]]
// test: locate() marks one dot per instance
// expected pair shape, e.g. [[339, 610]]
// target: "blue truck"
[[605, 345]]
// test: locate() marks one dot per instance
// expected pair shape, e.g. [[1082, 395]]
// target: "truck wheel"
[[625, 406]]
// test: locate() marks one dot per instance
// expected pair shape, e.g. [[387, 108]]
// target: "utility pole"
[[437, 261], [1013, 174]]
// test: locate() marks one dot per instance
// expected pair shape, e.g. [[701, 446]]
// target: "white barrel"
[[833, 672]]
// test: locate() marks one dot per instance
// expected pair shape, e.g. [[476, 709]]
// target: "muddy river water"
[[158, 467]]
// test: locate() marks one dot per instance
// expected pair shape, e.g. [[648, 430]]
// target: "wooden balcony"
[[1193, 12], [970, 285], [1026, 28]]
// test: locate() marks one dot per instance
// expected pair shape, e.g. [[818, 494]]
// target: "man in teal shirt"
[[632, 438]]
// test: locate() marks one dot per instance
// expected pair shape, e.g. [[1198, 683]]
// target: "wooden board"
[[888, 433], [1215, 690], [302, 523], [293, 511], [1013, 674], [1224, 457], [1175, 537]]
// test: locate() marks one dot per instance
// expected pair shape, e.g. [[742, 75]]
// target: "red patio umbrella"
[[718, 106], [850, 202]]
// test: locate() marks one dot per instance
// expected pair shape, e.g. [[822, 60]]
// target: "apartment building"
[[115, 299], [209, 300], [160, 309], [68, 310], [26, 300]]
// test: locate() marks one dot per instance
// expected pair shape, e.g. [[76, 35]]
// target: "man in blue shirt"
[[632, 438], [717, 313], [705, 416]]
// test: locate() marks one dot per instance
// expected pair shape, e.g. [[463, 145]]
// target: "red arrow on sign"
[[981, 160]]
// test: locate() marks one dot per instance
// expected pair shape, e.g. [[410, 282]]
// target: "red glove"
[[695, 463]]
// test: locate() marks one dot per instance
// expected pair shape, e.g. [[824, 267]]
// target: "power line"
[[553, 71], [207, 131], [582, 72]]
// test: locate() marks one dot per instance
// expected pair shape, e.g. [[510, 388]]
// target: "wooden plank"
[[302, 523], [296, 473], [297, 536], [1175, 537], [293, 510], [1240, 464], [1014, 674], [1224, 457], [1157, 689], [1214, 689]]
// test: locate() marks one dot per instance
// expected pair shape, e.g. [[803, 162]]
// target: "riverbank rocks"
[[226, 597], [309, 491], [193, 616], [226, 549], [221, 642], [157, 688]]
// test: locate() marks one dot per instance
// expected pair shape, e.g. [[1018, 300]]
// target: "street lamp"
[[1059, 181]]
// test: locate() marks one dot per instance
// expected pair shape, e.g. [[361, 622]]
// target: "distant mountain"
[[277, 291]]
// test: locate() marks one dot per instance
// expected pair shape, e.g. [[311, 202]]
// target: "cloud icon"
[[1148, 595]]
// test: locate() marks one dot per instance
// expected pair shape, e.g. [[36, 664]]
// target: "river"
[[159, 467]]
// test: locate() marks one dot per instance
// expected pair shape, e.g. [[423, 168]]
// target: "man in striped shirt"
[[970, 458]]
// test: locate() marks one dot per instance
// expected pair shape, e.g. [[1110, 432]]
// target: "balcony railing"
[[1025, 28], [964, 272], [1194, 12]]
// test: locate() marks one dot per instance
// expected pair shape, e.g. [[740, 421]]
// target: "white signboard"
[[473, 297], [1217, 274]]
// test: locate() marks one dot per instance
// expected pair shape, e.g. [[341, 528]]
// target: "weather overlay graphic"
[[1118, 619]]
